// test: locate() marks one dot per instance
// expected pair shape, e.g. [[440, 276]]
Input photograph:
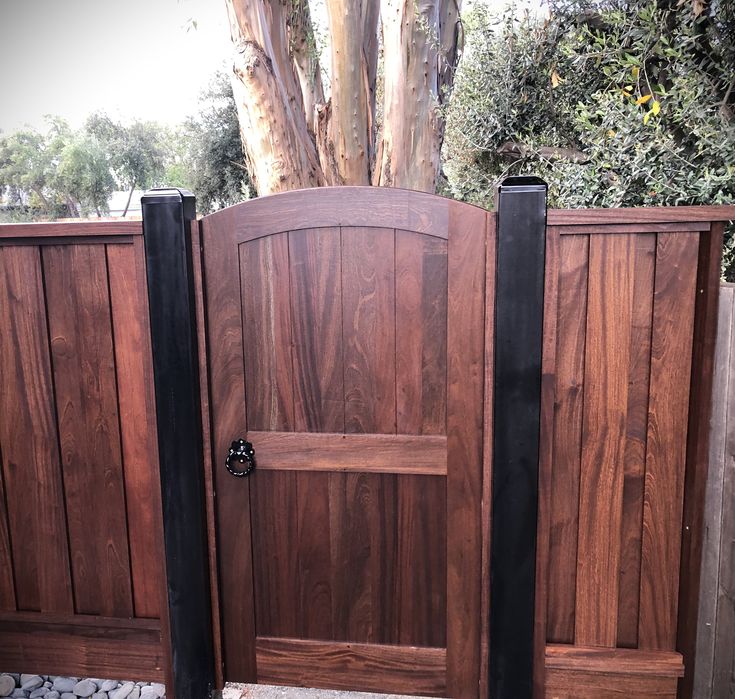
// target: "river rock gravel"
[[27, 686]]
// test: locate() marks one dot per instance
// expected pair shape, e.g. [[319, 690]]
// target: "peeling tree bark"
[[293, 137]]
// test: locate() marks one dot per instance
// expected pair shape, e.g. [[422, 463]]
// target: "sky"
[[132, 59], [138, 59]]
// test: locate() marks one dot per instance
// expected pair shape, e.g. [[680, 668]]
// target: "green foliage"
[[84, 172], [214, 159], [616, 103]]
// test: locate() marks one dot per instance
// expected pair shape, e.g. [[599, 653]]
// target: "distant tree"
[[84, 174], [135, 151], [214, 161], [613, 102]]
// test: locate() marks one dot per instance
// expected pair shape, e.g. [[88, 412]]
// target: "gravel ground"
[[261, 691], [53, 687]]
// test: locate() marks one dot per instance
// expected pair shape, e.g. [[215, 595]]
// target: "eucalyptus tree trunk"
[[295, 137]]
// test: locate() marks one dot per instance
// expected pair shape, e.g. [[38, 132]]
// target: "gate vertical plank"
[[86, 395], [569, 390], [134, 377], [465, 377], [316, 297], [29, 439], [609, 306], [671, 352], [229, 421], [319, 406], [369, 330], [361, 575], [266, 315], [635, 441], [421, 332]]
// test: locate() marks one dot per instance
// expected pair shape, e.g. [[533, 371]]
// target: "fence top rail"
[[75, 229], [640, 214]]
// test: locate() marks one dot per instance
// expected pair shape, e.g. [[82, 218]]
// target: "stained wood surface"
[[627, 434], [671, 347], [377, 453], [77, 452], [89, 429], [403, 669], [640, 215], [701, 404], [73, 229], [332, 348], [29, 440]]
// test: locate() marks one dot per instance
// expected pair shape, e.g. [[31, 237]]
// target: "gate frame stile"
[[168, 217]]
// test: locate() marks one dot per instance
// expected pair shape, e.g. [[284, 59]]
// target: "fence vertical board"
[[609, 304], [137, 426], [7, 584], [86, 394], [671, 347], [707, 621], [635, 441], [569, 388], [724, 656], [29, 439]]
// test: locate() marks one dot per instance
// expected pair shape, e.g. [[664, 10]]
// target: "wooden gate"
[[346, 339]]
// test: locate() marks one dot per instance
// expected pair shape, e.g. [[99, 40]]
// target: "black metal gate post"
[[167, 217], [519, 308]]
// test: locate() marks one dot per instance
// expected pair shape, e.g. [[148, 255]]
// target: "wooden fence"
[[715, 669], [628, 346], [81, 568]]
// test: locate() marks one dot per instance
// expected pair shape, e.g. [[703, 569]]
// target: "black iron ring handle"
[[241, 452]]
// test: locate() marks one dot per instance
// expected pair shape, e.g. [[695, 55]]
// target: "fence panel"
[[81, 573], [630, 290]]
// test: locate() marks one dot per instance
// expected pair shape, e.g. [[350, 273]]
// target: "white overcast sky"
[[132, 59]]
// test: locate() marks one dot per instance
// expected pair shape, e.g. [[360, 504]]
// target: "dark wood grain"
[[421, 334], [607, 366], [571, 327], [67, 229], [372, 667], [465, 381], [576, 672], [546, 454], [264, 273], [196, 251], [671, 352], [89, 432], [7, 584], [698, 432], [137, 422], [487, 451], [275, 552], [318, 354], [378, 453], [39, 241], [227, 394], [84, 646], [640, 214], [313, 586], [388, 207], [28, 436], [634, 458], [632, 228], [369, 329]]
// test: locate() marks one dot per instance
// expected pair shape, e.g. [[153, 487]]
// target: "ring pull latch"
[[241, 452]]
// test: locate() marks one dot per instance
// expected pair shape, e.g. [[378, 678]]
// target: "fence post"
[[519, 302], [167, 218]]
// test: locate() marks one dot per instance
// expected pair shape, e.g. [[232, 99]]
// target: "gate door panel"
[[346, 337]]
